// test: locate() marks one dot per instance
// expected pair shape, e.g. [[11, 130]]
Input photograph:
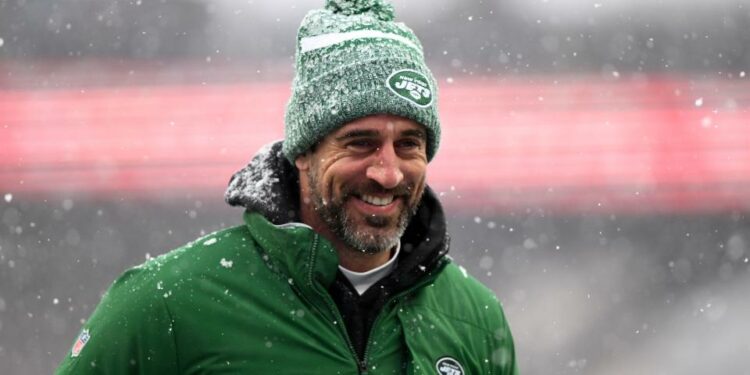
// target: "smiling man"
[[361, 186], [341, 265]]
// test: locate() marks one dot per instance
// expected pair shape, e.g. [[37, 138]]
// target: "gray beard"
[[337, 219]]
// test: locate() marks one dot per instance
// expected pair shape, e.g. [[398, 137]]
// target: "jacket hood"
[[269, 185]]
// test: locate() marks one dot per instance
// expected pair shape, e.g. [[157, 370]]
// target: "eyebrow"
[[357, 133], [418, 133]]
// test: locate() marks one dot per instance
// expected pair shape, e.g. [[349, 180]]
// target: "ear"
[[303, 161]]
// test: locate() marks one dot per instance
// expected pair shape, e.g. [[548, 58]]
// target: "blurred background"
[[595, 163]]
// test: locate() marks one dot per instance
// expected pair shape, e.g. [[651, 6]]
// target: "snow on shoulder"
[[267, 184]]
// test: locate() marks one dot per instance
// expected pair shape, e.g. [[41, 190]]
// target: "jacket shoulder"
[[200, 255], [132, 327]]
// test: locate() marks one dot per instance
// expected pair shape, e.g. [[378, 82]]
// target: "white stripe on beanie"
[[312, 43]]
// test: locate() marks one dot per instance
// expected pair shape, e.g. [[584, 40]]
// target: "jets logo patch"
[[448, 366], [83, 338], [412, 86]]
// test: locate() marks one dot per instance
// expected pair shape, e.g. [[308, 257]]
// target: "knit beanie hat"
[[353, 61]]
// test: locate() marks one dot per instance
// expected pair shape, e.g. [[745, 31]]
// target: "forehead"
[[380, 125]]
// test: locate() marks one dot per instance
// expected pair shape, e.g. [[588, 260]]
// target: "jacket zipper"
[[361, 365], [342, 330]]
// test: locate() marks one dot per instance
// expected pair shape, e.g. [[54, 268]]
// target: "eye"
[[409, 144], [361, 144]]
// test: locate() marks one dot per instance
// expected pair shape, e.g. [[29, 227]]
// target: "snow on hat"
[[353, 61]]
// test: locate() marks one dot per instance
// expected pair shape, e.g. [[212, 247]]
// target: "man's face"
[[366, 180]]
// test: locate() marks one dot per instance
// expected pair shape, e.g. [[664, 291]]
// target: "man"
[[341, 265]]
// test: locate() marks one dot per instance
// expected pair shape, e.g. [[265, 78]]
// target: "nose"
[[385, 168]]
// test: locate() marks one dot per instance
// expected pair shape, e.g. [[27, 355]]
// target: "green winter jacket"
[[254, 298]]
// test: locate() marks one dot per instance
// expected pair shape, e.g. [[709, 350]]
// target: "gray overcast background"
[[511, 36], [586, 293]]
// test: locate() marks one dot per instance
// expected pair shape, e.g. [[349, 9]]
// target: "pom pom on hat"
[[382, 10]]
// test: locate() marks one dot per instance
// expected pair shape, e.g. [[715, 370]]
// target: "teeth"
[[377, 201]]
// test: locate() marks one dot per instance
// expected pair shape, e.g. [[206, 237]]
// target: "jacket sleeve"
[[130, 332]]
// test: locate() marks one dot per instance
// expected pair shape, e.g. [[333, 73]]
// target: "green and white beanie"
[[353, 61]]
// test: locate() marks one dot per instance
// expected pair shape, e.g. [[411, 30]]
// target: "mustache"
[[403, 190]]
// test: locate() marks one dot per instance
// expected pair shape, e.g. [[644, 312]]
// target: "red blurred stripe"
[[642, 145]]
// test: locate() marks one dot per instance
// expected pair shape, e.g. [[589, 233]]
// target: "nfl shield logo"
[[83, 338]]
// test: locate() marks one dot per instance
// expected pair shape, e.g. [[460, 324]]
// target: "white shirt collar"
[[364, 280]]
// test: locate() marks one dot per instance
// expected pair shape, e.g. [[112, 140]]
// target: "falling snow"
[[687, 275]]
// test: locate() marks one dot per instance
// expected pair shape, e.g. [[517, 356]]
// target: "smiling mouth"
[[377, 201]]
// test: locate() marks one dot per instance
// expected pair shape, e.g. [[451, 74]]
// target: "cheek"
[[333, 181], [345, 174], [416, 177], [325, 186], [319, 180]]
